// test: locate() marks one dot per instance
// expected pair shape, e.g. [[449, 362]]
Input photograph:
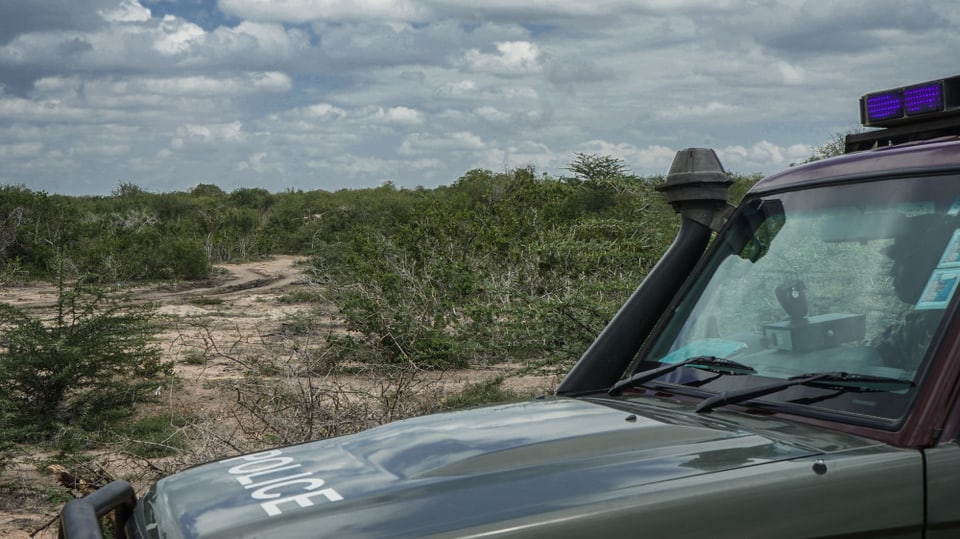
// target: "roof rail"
[[891, 136]]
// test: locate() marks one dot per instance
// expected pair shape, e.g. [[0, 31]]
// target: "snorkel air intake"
[[696, 187]]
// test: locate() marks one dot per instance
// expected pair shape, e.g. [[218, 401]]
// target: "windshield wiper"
[[715, 364], [839, 381]]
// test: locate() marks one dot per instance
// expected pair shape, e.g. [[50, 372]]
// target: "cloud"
[[199, 86], [261, 163], [459, 141], [20, 150], [577, 69], [28, 110], [155, 45], [18, 17], [705, 110], [492, 115], [175, 36], [85, 149], [650, 160], [761, 155], [125, 11], [302, 11], [396, 115], [791, 74], [332, 94], [359, 45], [511, 58], [325, 110], [252, 42], [848, 27], [200, 137], [463, 87]]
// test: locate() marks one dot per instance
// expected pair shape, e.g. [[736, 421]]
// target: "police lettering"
[[277, 478]]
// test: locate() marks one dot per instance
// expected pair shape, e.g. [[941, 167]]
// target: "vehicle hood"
[[452, 471]]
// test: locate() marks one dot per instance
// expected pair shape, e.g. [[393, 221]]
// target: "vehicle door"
[[943, 490]]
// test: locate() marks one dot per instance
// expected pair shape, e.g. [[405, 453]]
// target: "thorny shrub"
[[495, 267], [88, 364]]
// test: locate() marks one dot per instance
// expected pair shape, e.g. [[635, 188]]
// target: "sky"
[[333, 94]]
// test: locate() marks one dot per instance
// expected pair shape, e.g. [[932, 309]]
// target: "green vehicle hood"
[[437, 474]]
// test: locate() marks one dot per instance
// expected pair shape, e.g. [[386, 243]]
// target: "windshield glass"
[[841, 279]]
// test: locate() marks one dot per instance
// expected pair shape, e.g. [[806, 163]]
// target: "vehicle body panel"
[[927, 158], [555, 467], [943, 490]]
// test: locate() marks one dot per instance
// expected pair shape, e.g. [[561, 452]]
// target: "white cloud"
[[126, 11], [355, 165], [14, 108], [240, 84], [396, 115], [511, 58], [86, 149], [158, 45], [419, 143], [791, 74], [762, 155], [492, 115], [529, 152], [301, 11], [713, 108], [268, 37], [21, 149], [457, 88], [261, 163], [190, 136], [338, 93], [644, 161], [325, 110], [176, 36]]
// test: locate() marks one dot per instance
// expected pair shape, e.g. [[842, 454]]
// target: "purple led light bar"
[[911, 105], [883, 106], [923, 98]]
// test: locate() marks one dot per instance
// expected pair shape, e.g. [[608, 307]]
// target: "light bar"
[[884, 106], [915, 102], [923, 98]]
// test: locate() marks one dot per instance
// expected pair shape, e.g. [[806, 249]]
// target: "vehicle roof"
[[902, 160]]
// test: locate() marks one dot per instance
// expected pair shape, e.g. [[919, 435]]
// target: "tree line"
[[494, 265], [515, 265]]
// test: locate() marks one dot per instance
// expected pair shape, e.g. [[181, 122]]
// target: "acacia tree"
[[593, 167], [89, 364], [834, 146]]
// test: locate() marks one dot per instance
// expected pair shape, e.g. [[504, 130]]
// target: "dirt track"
[[232, 281]]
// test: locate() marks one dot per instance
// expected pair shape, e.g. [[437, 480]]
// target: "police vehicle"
[[789, 368]]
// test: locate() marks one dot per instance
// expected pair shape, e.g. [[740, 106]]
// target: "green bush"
[[496, 266], [480, 393], [155, 436], [91, 363]]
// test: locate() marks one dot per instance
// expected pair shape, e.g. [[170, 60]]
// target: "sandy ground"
[[209, 327]]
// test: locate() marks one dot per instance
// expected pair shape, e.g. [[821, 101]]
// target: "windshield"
[[842, 279]]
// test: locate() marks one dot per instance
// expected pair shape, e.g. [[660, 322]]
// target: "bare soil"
[[211, 330]]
